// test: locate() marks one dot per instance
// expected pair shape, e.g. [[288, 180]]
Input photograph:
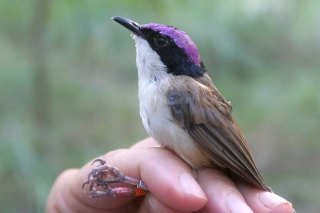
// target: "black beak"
[[129, 24]]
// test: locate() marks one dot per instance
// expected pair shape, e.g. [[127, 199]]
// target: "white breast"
[[156, 115], [154, 110]]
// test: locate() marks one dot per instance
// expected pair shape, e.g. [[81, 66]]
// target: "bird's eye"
[[161, 41]]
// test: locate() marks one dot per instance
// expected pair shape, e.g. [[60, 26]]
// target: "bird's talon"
[[98, 176], [102, 162]]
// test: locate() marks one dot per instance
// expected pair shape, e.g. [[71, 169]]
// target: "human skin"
[[172, 184]]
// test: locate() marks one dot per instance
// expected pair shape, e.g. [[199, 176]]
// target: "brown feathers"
[[199, 108]]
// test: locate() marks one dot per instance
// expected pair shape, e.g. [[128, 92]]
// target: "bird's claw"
[[99, 176], [101, 161]]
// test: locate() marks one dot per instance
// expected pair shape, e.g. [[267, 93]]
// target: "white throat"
[[150, 67], [152, 77], [154, 82]]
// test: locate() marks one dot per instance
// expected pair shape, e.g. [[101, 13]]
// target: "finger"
[[148, 142], [264, 202], [56, 201], [67, 195], [168, 177], [64, 196], [222, 194], [119, 203], [153, 204]]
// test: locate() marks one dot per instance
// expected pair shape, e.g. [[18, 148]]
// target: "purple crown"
[[181, 39]]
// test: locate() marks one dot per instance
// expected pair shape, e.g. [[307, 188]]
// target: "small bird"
[[181, 109]]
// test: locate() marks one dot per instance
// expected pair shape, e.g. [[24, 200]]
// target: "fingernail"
[[190, 185], [270, 200], [236, 204]]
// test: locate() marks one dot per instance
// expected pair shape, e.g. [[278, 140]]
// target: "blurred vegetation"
[[68, 86]]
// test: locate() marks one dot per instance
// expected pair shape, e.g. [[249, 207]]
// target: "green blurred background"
[[68, 86]]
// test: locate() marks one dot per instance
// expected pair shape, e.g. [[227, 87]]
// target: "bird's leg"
[[103, 175]]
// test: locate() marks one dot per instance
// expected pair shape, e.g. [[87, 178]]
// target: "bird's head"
[[164, 48]]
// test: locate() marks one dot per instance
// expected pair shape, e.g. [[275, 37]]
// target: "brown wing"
[[206, 116]]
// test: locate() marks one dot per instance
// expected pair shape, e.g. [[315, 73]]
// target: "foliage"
[[262, 55]]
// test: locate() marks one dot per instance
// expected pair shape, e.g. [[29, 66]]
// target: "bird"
[[181, 109]]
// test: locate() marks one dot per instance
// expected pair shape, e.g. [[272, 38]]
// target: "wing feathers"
[[206, 116]]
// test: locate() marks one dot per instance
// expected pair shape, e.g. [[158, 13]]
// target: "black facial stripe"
[[174, 57]]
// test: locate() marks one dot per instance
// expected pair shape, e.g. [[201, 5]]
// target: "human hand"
[[172, 186]]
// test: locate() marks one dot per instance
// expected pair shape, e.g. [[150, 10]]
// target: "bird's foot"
[[103, 175]]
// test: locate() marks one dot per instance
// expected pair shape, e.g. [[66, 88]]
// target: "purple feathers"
[[181, 39]]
